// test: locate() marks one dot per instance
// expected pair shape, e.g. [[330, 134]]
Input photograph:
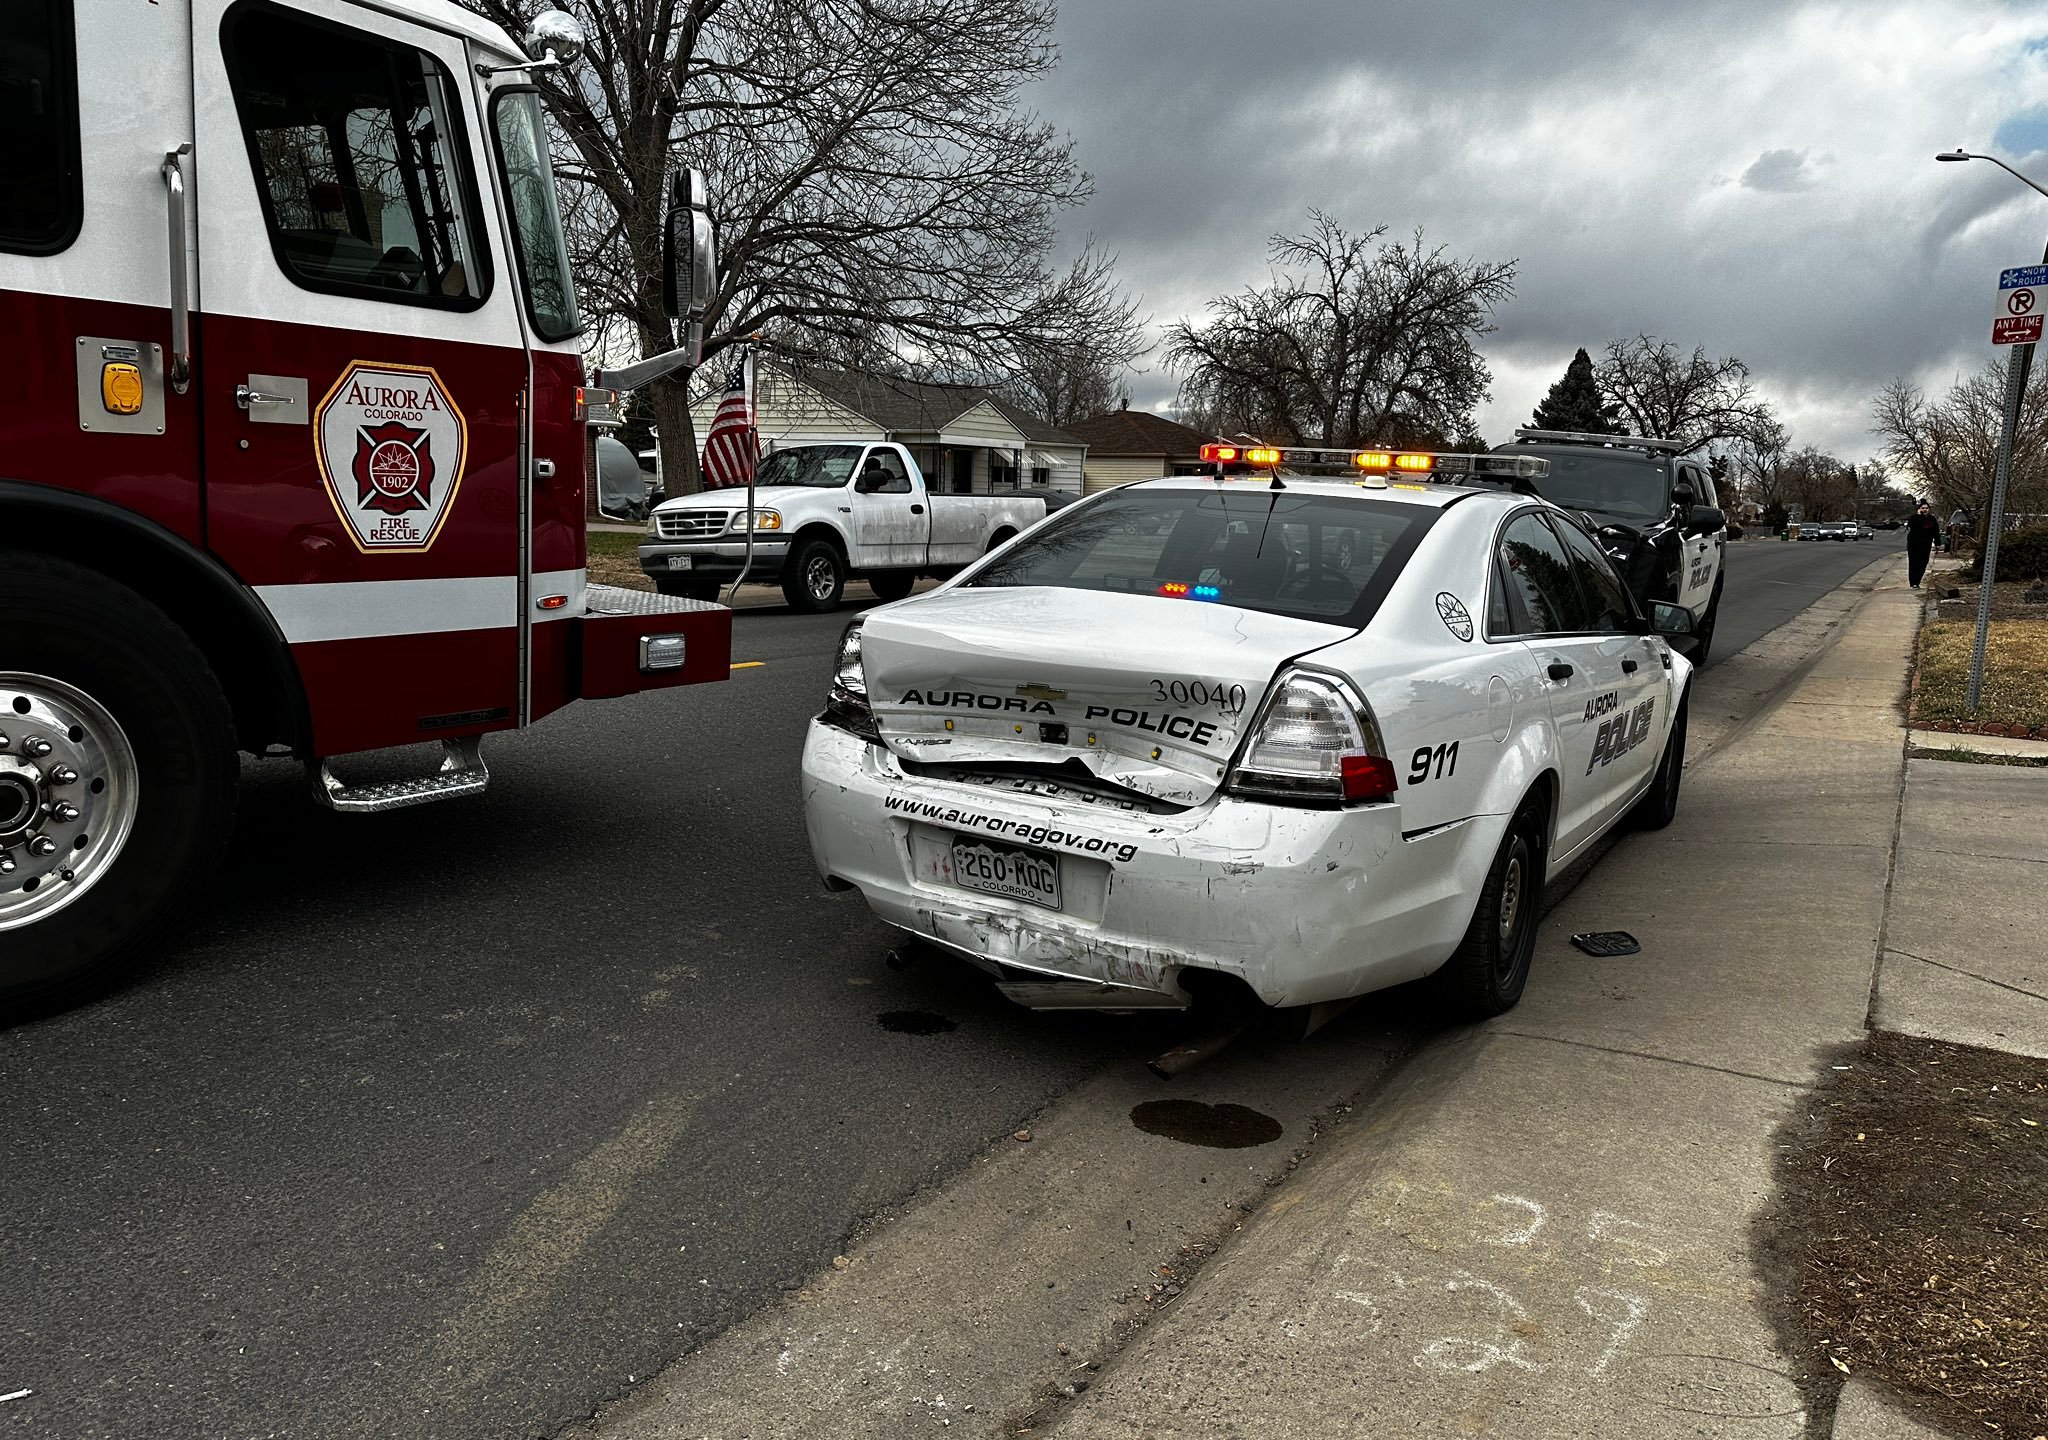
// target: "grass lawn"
[[1912, 1228], [2015, 673], [615, 559]]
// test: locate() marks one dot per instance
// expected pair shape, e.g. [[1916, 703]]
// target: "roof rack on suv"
[[1574, 437]]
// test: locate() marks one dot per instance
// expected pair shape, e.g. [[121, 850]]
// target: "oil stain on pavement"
[[1221, 1127]]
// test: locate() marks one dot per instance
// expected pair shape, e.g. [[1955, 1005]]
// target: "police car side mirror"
[[1683, 495], [1675, 624], [1704, 520]]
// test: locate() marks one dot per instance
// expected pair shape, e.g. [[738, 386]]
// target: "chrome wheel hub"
[[819, 576], [68, 793]]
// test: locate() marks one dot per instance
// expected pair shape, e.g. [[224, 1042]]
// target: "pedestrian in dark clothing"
[[1921, 533]]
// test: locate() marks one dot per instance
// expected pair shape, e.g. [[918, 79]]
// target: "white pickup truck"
[[825, 514]]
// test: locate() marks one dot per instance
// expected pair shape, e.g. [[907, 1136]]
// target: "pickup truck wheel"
[[1485, 974], [814, 578], [892, 584], [117, 779], [687, 589]]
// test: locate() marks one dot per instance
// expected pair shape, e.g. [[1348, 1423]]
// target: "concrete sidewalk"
[[1546, 1229]]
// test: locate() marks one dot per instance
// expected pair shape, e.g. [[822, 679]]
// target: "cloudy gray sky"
[[1754, 177]]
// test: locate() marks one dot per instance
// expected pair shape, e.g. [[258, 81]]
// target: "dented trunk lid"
[[1143, 693]]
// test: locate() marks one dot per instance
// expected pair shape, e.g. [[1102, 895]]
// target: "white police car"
[[1310, 737]]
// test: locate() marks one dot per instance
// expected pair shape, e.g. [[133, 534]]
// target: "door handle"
[[917, 509], [245, 397], [1559, 670], [1628, 667]]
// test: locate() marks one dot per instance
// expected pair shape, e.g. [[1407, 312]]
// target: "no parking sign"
[[2022, 304]]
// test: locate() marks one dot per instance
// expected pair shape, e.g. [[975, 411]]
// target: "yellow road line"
[[748, 664]]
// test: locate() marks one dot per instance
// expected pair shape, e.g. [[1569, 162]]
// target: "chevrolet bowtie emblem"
[[1041, 692]]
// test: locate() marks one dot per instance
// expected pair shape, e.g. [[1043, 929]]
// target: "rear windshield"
[[1627, 486], [1317, 557], [825, 466]]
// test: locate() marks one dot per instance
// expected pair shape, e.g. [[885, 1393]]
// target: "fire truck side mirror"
[[689, 250], [555, 35]]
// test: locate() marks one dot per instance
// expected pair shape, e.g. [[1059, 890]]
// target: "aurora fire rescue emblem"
[[391, 445]]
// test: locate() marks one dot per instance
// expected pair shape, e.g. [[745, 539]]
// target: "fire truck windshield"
[[529, 179]]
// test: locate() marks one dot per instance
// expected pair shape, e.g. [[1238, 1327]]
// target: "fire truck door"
[[361, 362]]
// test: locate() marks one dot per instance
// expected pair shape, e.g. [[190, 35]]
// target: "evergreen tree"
[[1574, 402]]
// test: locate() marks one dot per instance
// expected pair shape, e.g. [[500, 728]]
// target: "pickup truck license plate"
[[1014, 874], [679, 562]]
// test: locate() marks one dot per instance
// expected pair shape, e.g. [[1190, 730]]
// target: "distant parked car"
[[1054, 499]]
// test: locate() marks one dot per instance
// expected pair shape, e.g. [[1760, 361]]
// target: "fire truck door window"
[[360, 162], [529, 176], [41, 204]]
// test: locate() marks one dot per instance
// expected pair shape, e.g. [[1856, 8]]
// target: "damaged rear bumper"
[[1302, 905]]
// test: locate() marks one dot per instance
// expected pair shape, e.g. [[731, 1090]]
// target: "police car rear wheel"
[[121, 766], [1486, 974], [1659, 805]]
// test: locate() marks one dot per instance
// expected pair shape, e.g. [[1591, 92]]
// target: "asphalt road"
[[458, 1121]]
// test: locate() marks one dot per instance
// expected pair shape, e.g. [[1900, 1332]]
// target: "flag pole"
[[753, 463]]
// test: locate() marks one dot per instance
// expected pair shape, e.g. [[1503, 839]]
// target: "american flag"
[[730, 449]]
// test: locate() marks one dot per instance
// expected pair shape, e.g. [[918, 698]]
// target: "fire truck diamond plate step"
[[462, 772], [617, 600]]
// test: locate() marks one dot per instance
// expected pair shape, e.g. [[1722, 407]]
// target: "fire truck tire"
[[120, 771], [814, 577]]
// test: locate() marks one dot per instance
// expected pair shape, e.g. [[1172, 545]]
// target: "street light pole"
[[2017, 368]]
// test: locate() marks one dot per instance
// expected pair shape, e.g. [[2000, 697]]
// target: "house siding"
[[983, 424]]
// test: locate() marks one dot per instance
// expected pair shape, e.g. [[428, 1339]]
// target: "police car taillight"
[[1315, 742], [847, 700]]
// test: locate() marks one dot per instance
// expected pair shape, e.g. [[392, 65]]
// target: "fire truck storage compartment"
[[616, 620]]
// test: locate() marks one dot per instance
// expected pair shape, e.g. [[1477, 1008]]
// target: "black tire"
[[892, 584], [111, 649], [1485, 974], [815, 577], [1706, 630], [1659, 805], [687, 589]]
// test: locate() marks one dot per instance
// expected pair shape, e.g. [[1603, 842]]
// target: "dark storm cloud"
[[1754, 177], [1778, 170]]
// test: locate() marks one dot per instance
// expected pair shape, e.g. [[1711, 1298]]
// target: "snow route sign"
[[2022, 304]]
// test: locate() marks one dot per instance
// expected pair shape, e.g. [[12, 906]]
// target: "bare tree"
[[1754, 460], [1355, 339], [1694, 398], [1946, 450], [877, 183], [1822, 486]]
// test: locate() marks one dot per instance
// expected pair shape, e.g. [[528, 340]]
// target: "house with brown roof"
[[1127, 445], [967, 439]]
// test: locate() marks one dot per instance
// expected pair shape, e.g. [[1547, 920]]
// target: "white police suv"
[[1309, 737]]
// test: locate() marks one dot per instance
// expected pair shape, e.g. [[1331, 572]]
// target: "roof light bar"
[[1381, 462], [1577, 437]]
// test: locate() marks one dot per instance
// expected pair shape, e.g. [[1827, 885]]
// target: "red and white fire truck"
[[292, 435]]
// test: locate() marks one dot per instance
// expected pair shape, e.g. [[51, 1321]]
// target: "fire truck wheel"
[[117, 778], [815, 577]]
